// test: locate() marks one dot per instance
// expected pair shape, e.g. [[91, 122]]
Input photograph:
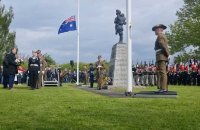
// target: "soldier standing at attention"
[[85, 75], [100, 66], [43, 64], [162, 54], [34, 69], [91, 75]]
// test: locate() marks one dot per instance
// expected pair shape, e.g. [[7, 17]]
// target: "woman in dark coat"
[[33, 69]]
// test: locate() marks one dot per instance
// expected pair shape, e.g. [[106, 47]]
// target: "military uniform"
[[162, 54], [140, 76], [134, 69], [194, 74], [151, 75], [100, 67], [43, 64], [198, 77], [91, 75], [146, 75], [85, 75], [33, 68], [181, 74]]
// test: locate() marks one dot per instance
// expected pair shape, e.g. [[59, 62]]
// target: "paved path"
[[143, 94], [104, 92]]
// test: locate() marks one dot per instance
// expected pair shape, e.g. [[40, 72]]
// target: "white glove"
[[38, 72]]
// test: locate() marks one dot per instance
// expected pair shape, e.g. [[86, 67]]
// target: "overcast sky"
[[36, 23]]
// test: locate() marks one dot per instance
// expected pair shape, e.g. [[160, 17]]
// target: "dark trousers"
[[33, 78], [91, 84], [5, 81], [194, 78], [0, 78], [198, 80], [91, 81], [11, 80]]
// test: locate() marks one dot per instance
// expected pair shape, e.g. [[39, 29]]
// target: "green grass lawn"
[[63, 108]]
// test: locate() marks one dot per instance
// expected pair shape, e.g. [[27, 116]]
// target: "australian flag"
[[68, 25]]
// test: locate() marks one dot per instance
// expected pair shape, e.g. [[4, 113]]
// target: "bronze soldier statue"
[[43, 64], [100, 67], [120, 20], [162, 54]]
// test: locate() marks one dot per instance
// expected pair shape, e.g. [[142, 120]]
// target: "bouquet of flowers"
[[19, 61]]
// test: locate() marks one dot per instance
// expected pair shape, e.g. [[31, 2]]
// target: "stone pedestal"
[[118, 65]]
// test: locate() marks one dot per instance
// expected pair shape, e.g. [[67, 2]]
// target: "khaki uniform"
[[162, 54], [43, 64], [100, 66], [85, 72]]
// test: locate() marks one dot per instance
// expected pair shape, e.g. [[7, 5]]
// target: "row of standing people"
[[145, 75], [178, 74], [184, 74], [96, 72], [11, 66]]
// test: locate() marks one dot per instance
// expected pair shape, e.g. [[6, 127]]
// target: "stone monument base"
[[118, 70]]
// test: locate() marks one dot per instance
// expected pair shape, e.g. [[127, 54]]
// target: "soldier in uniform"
[[43, 64], [146, 75], [141, 75], [34, 69], [198, 77], [162, 54], [151, 75], [186, 76], [100, 67], [180, 73], [194, 73], [155, 75], [134, 74], [85, 75], [91, 75]]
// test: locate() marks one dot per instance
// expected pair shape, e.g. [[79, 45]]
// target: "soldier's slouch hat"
[[159, 26]]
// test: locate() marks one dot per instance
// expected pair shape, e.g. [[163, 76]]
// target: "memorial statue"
[[120, 20]]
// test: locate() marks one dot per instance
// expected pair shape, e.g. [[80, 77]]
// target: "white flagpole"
[[77, 73], [130, 75]]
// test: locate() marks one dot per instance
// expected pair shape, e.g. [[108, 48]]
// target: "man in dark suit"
[[12, 66], [162, 54]]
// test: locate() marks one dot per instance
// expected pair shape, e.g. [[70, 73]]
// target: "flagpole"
[[77, 73], [130, 75]]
